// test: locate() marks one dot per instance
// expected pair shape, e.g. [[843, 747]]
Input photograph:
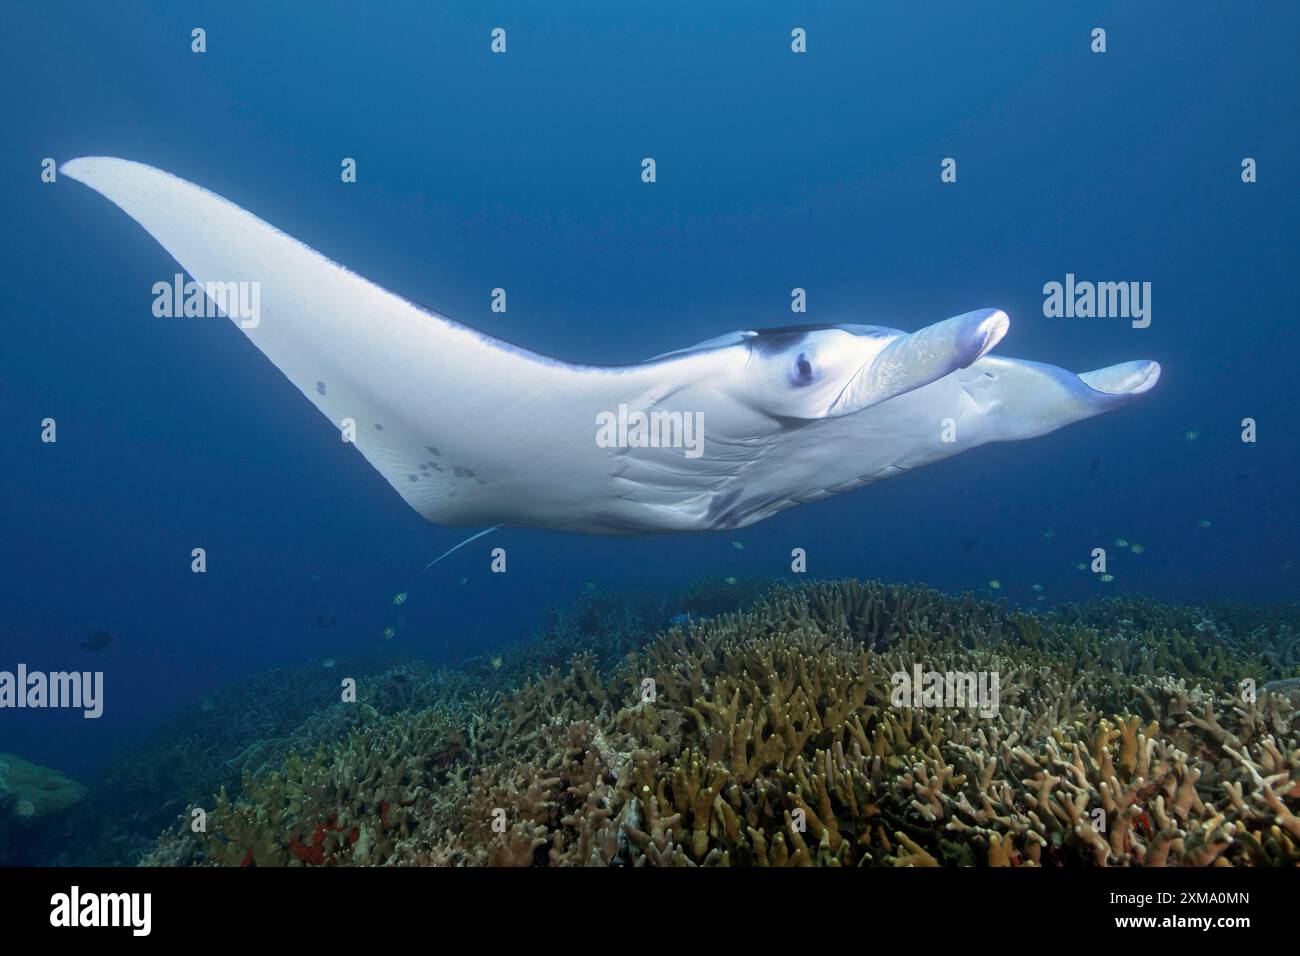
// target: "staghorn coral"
[[1121, 737], [250, 727]]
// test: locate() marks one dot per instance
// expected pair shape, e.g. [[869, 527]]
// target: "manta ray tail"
[[457, 547]]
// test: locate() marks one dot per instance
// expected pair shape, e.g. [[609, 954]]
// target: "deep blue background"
[[523, 171]]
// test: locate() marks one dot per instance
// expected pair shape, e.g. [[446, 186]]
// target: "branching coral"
[[1119, 737]]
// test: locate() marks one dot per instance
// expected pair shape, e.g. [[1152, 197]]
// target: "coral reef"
[[248, 726], [1122, 733], [251, 726]]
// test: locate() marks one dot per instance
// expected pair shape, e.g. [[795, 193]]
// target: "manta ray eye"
[[801, 371]]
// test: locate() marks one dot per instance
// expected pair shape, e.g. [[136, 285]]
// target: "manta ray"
[[473, 430]]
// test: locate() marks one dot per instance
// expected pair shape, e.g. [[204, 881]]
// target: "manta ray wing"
[[467, 428]]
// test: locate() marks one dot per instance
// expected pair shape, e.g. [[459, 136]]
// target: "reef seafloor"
[[741, 723]]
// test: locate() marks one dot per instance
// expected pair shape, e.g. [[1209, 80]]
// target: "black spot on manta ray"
[[433, 451], [774, 343], [783, 338], [795, 329], [320, 388], [818, 327], [412, 477], [378, 427]]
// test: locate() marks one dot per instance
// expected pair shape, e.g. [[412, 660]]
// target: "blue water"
[[523, 171]]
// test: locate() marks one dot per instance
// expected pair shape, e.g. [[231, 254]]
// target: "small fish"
[[591, 585], [495, 663], [313, 578], [97, 641], [738, 545], [731, 580], [1081, 567], [389, 632], [464, 580], [1202, 523], [1107, 578], [1041, 597], [995, 584], [1191, 434], [328, 663], [1049, 533], [1035, 587], [1121, 543], [1137, 548], [399, 598]]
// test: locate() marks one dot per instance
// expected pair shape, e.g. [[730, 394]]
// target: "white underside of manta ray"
[[472, 430]]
